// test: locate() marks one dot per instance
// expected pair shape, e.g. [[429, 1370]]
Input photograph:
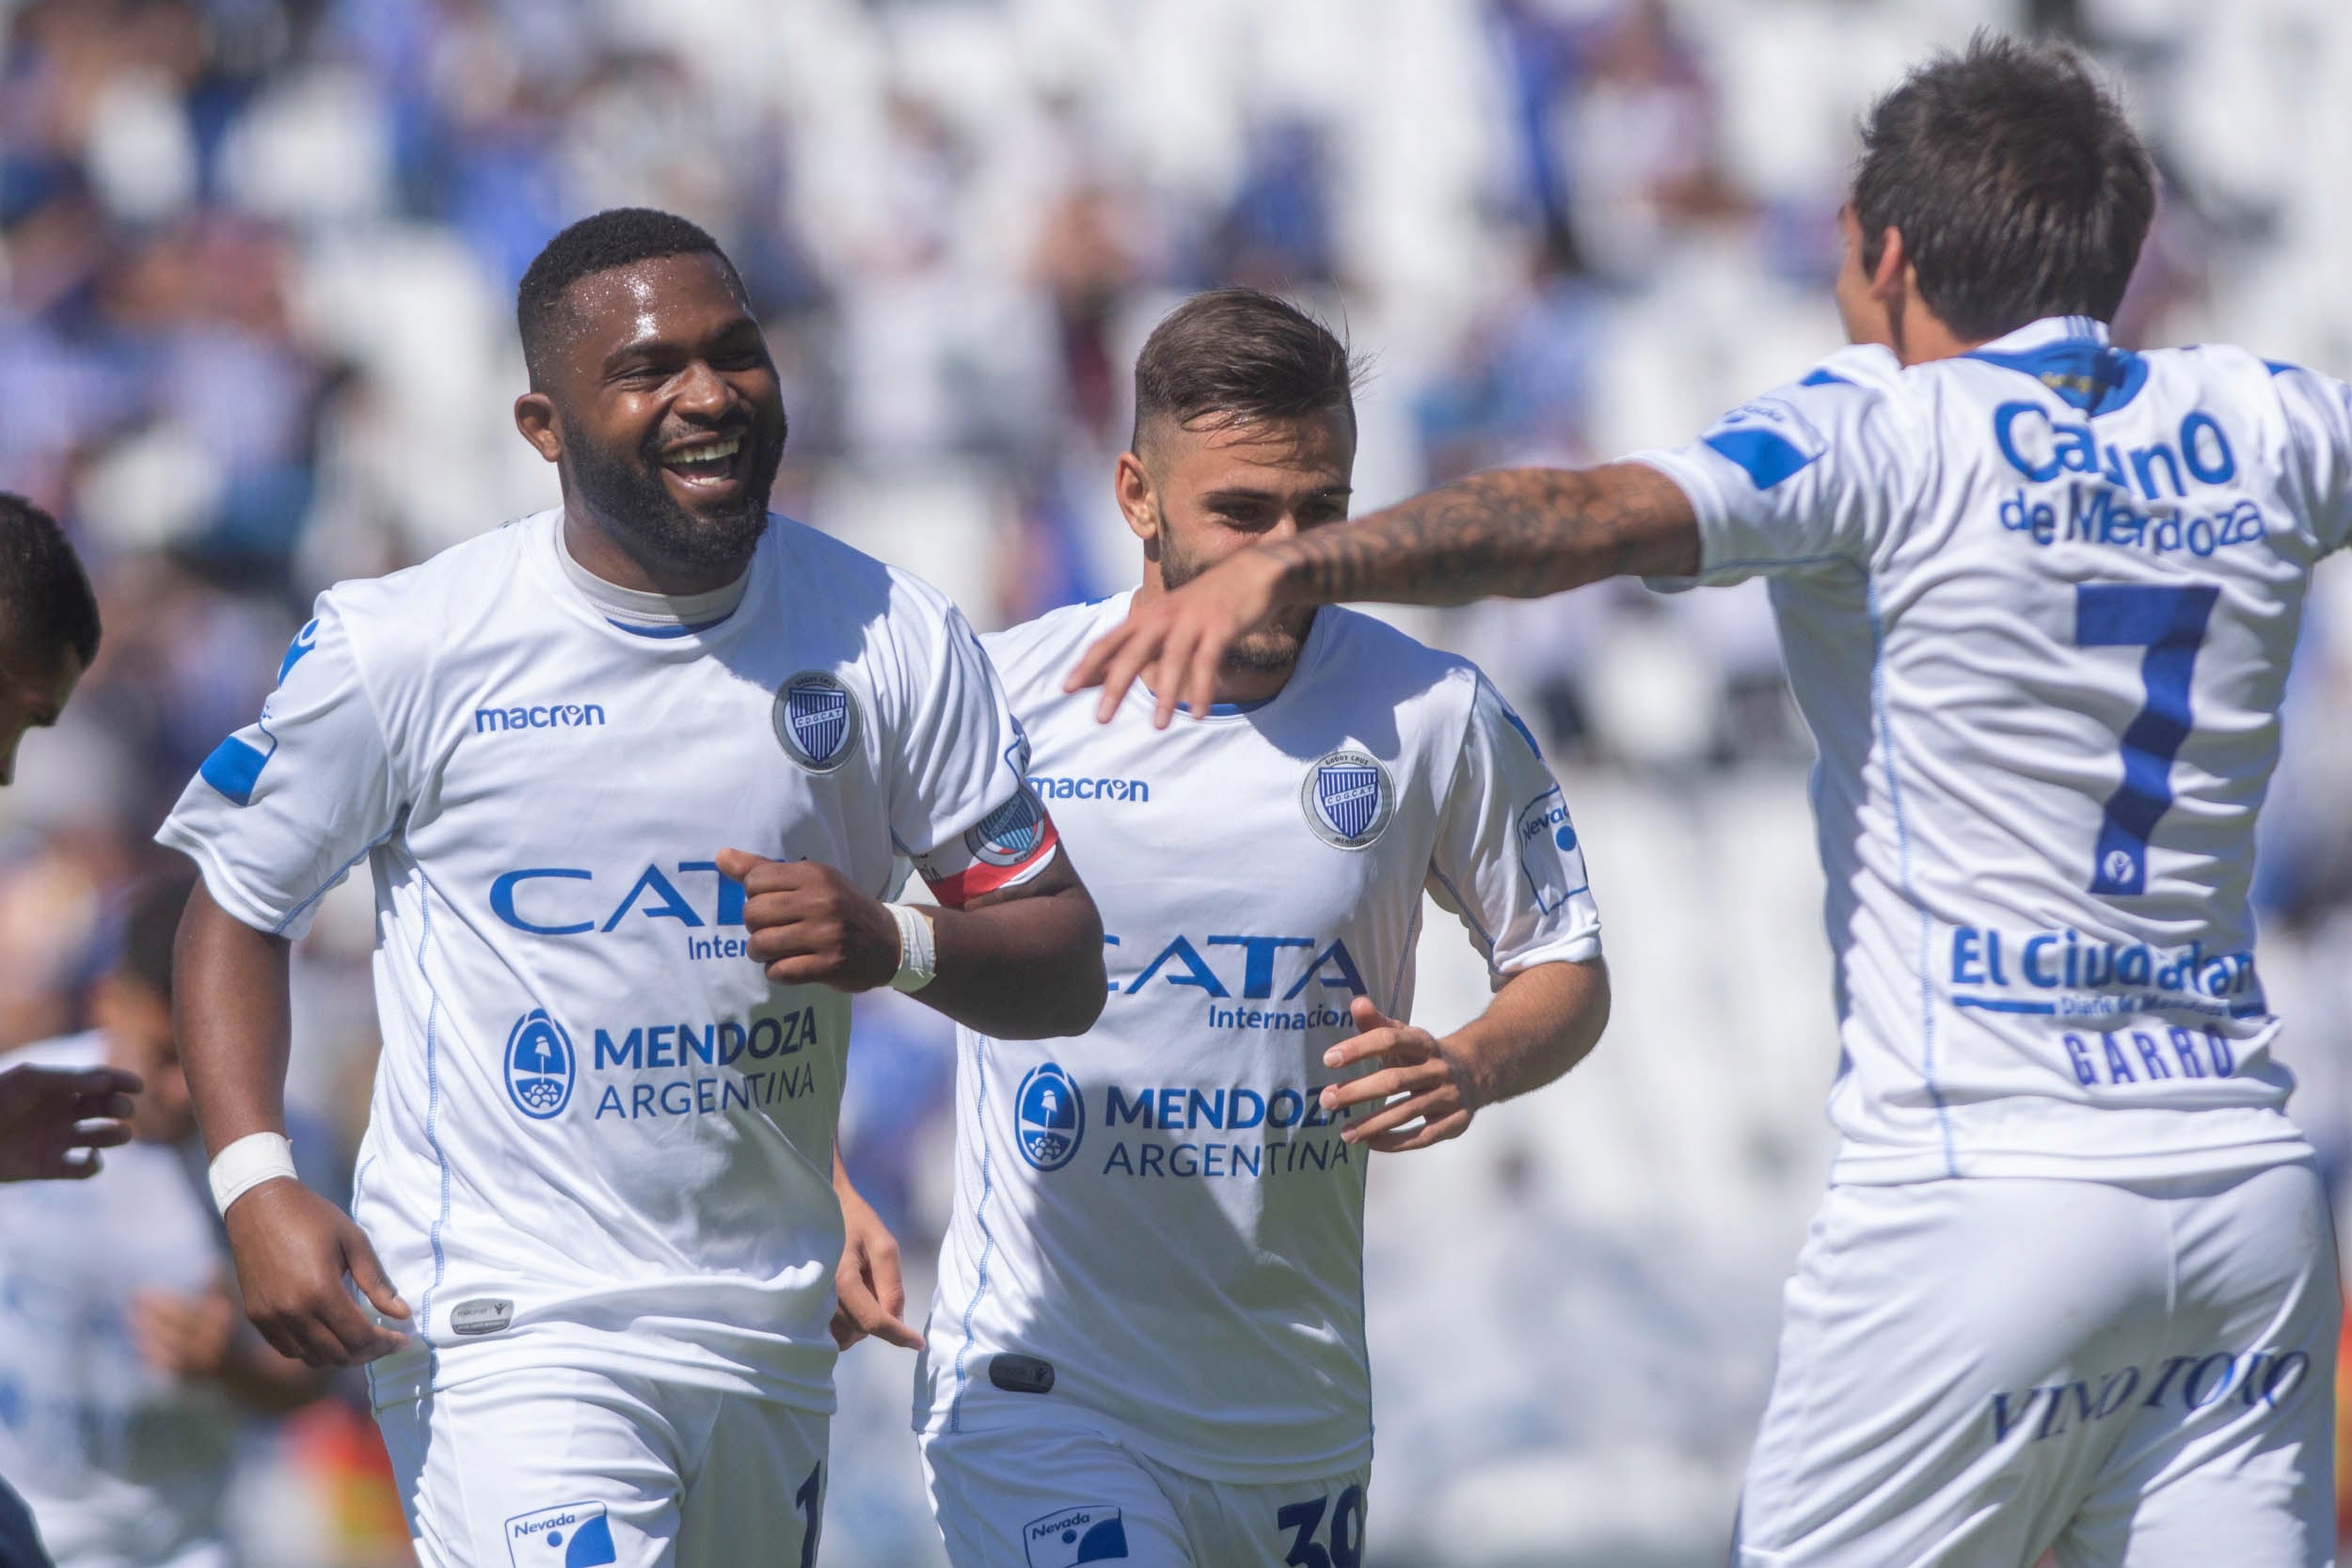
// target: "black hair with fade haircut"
[[46, 605], [1238, 356], [616, 237], [2019, 187], [150, 924]]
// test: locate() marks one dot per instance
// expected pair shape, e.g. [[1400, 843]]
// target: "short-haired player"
[[1148, 1340], [2074, 1285], [632, 776]]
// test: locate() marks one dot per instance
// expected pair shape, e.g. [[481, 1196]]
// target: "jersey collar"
[[2071, 357]]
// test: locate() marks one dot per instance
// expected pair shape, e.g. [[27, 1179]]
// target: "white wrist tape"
[[917, 961], [256, 1158]]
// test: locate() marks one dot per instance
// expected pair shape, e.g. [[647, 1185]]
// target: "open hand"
[[54, 1120], [1414, 1079], [810, 926], [1177, 642]]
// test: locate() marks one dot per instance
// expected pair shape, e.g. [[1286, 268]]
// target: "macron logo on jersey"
[[544, 716], [1136, 790]]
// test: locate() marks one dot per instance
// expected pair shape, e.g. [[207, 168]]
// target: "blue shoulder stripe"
[[1765, 458], [1824, 379]]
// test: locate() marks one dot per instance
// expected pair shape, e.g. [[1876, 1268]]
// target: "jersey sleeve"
[[2319, 413], [1810, 477], [284, 808], [1507, 860], [959, 804]]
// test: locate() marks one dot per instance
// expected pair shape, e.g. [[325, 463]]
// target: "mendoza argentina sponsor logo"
[[817, 720], [569, 1536], [541, 1066], [1049, 1116], [1089, 1532], [1348, 798]]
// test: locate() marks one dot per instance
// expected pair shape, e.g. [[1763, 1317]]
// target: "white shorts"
[[2134, 1375], [563, 1467], [1055, 1497]]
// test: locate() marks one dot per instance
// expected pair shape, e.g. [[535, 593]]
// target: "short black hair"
[[46, 605], [616, 237], [2018, 186], [1241, 354], [150, 926]]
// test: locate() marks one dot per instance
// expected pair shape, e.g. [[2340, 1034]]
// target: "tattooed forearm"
[[1515, 533]]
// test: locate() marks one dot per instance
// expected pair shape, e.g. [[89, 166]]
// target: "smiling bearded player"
[[600, 1166], [1147, 1341]]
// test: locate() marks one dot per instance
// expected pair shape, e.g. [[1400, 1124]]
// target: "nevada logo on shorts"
[[815, 720], [572, 1535], [1348, 799], [1092, 1532]]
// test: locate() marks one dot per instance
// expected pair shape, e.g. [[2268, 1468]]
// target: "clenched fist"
[[810, 926]]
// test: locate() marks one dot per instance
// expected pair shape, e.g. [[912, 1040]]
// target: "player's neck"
[[595, 549], [1919, 336]]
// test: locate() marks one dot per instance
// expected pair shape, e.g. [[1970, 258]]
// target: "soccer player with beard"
[[2073, 1285], [1148, 1340], [632, 776]]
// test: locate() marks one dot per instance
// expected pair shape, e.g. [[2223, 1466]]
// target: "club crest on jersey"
[[1049, 1118], [540, 1065], [816, 720], [1010, 833], [1348, 799], [572, 1535], [1091, 1532]]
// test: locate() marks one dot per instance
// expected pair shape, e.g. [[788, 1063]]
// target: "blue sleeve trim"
[[233, 768], [1763, 456], [1824, 379]]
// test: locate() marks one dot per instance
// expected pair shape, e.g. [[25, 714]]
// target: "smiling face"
[[661, 406], [1203, 490]]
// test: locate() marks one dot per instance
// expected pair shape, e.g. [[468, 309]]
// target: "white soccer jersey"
[[120, 1462], [2038, 604], [598, 1134], [1160, 1209]]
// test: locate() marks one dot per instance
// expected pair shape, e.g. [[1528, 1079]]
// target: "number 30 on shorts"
[[1342, 1543]]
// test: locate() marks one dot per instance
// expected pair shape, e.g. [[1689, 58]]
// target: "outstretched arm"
[[1511, 533], [1424, 1090]]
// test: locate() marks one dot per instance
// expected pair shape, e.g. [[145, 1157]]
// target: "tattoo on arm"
[[1513, 532]]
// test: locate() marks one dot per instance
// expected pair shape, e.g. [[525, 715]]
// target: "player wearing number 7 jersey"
[[2073, 1286]]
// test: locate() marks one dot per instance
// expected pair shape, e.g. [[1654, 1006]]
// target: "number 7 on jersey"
[[2170, 624]]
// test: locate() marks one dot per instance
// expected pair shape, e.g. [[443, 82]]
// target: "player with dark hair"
[[1147, 1341], [54, 1120], [599, 1168], [2073, 1286]]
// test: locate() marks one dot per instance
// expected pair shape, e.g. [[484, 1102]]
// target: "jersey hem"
[[1048, 1415], [1852, 1168]]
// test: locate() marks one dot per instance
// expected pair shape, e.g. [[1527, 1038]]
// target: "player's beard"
[[1266, 650], [627, 496]]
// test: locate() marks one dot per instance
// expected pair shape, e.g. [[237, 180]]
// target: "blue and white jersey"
[[2038, 604], [599, 1135], [1160, 1208]]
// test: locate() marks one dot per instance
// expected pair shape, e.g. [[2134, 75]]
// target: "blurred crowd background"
[[257, 263]]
